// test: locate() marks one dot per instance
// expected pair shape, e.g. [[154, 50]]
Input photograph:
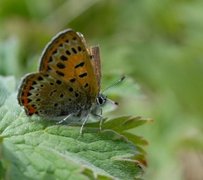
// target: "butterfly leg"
[[64, 119], [100, 118], [83, 124]]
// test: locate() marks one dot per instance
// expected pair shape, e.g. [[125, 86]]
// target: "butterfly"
[[68, 82]]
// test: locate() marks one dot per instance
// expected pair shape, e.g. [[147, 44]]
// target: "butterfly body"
[[68, 81]]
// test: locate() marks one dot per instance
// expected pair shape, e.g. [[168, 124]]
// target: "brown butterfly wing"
[[44, 95], [66, 58], [66, 82]]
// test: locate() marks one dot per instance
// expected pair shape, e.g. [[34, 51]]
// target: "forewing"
[[66, 57]]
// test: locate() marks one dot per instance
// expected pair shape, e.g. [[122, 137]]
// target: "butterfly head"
[[102, 99]]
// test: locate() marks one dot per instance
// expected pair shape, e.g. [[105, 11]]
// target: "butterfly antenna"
[[115, 84]]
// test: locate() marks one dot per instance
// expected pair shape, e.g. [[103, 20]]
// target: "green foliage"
[[157, 43], [31, 147]]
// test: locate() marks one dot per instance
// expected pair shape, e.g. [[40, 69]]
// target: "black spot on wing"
[[46, 75], [86, 85], [58, 82], [40, 78], [81, 64], [79, 48], [70, 89], [63, 58], [74, 50], [83, 75], [34, 83], [60, 65], [60, 73], [72, 80], [76, 94], [29, 94], [48, 67], [55, 51], [50, 59], [68, 52]]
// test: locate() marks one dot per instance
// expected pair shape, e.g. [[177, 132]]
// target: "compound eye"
[[101, 100]]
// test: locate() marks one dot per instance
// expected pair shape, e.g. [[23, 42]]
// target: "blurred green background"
[[158, 44]]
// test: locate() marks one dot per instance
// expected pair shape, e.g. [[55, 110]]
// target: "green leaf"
[[39, 149], [7, 85]]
